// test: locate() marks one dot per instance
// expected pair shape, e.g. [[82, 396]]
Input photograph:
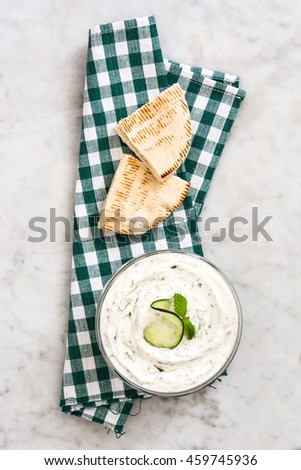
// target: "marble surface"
[[43, 62]]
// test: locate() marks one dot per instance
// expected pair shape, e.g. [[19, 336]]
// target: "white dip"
[[126, 312]]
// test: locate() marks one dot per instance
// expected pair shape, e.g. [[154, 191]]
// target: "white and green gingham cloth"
[[126, 69]]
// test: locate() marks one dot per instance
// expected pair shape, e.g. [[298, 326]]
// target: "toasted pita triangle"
[[137, 201], [159, 132]]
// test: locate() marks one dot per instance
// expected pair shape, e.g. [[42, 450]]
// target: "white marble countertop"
[[43, 57]]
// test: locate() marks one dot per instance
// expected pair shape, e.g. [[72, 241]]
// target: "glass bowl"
[[113, 293]]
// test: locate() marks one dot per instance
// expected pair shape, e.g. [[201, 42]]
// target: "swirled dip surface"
[[126, 312]]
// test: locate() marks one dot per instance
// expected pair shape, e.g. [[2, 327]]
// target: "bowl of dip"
[[124, 312]]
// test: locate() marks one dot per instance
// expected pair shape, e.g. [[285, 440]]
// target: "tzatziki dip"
[[125, 312]]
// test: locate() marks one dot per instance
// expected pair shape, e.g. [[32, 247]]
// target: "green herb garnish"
[[180, 308], [180, 304], [189, 328]]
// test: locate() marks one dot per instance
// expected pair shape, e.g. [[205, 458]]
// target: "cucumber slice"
[[162, 304], [166, 332]]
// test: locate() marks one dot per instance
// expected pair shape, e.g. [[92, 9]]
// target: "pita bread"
[[136, 201], [159, 132]]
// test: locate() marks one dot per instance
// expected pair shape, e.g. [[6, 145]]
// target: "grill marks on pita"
[[159, 132], [144, 191], [137, 201]]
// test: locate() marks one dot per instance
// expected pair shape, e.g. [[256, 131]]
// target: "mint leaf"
[[189, 329], [180, 305]]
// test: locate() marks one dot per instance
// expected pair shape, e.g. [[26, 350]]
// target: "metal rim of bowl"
[[196, 388]]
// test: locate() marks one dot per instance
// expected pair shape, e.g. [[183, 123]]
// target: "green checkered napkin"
[[126, 69]]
